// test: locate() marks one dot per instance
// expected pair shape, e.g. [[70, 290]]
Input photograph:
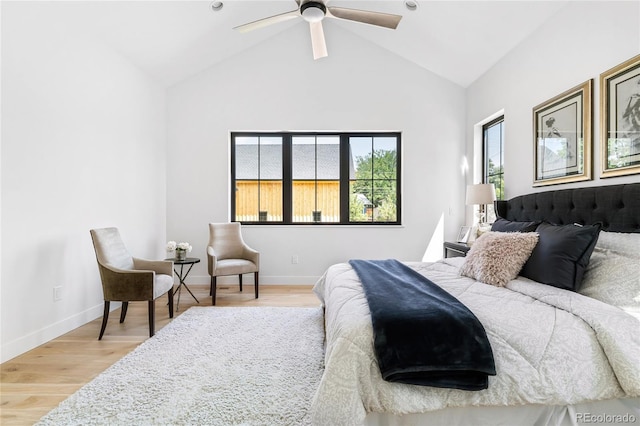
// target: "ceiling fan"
[[314, 11]]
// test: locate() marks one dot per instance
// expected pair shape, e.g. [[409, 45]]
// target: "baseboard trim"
[[39, 337], [31, 341]]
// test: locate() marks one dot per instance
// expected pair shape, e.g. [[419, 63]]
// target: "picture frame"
[[463, 235], [620, 119], [562, 142]]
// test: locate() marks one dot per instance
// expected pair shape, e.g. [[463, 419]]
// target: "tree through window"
[[373, 192], [493, 158]]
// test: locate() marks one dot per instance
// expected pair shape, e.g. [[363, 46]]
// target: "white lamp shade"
[[482, 193]]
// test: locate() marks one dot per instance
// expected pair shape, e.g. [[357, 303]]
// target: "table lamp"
[[481, 194]]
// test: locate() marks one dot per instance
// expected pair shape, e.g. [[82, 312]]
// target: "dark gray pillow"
[[561, 255], [504, 225]]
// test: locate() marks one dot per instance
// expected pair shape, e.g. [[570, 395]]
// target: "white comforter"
[[551, 346]]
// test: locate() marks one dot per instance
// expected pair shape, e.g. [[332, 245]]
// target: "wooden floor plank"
[[35, 382]]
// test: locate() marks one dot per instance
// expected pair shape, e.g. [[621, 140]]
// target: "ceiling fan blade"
[[380, 19], [317, 40], [261, 23]]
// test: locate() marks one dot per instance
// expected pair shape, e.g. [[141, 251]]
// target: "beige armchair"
[[227, 254], [126, 278]]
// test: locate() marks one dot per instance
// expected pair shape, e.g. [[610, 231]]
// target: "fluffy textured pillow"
[[562, 254], [504, 225], [613, 274], [496, 257]]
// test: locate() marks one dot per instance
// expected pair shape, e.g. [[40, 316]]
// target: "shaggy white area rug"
[[210, 366]]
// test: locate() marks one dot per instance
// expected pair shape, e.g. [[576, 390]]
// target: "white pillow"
[[613, 273]]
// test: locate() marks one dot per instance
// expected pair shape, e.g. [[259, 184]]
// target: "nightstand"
[[452, 249]]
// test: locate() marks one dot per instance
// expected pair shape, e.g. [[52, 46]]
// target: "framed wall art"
[[620, 119], [562, 137]]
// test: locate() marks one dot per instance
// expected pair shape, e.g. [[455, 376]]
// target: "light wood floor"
[[34, 383]]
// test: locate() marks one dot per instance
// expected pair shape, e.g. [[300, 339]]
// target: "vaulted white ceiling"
[[173, 40]]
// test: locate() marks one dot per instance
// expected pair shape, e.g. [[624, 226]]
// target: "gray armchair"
[[126, 278], [228, 254]]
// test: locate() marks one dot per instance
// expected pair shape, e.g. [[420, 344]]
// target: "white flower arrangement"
[[173, 246]]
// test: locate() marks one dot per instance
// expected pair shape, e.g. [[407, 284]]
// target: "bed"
[[562, 356]]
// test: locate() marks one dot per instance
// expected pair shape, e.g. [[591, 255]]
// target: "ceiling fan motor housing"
[[313, 11]]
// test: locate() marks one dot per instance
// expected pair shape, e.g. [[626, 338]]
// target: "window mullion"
[[345, 169], [287, 182], [315, 176], [373, 174], [398, 180], [233, 188], [259, 177]]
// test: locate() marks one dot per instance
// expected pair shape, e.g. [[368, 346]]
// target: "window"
[[493, 158], [315, 178], [258, 178], [373, 184], [493, 142], [321, 178]]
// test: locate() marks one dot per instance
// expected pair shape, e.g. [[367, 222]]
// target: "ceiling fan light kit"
[[314, 11]]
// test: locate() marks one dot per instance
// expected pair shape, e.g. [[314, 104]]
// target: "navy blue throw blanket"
[[422, 334]]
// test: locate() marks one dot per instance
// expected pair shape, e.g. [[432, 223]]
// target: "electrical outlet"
[[294, 260], [57, 293]]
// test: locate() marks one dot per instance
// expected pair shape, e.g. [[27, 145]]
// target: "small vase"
[[181, 254]]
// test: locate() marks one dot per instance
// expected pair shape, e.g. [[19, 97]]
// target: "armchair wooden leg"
[[240, 280], [214, 284], [255, 278], [170, 293], [105, 317], [152, 318], [123, 311]]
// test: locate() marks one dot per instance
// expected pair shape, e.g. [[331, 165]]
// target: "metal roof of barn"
[[319, 161]]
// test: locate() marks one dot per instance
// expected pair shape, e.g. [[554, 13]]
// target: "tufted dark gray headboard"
[[616, 206]]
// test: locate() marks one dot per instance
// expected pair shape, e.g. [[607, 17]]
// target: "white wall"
[[83, 146], [583, 40], [278, 86]]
